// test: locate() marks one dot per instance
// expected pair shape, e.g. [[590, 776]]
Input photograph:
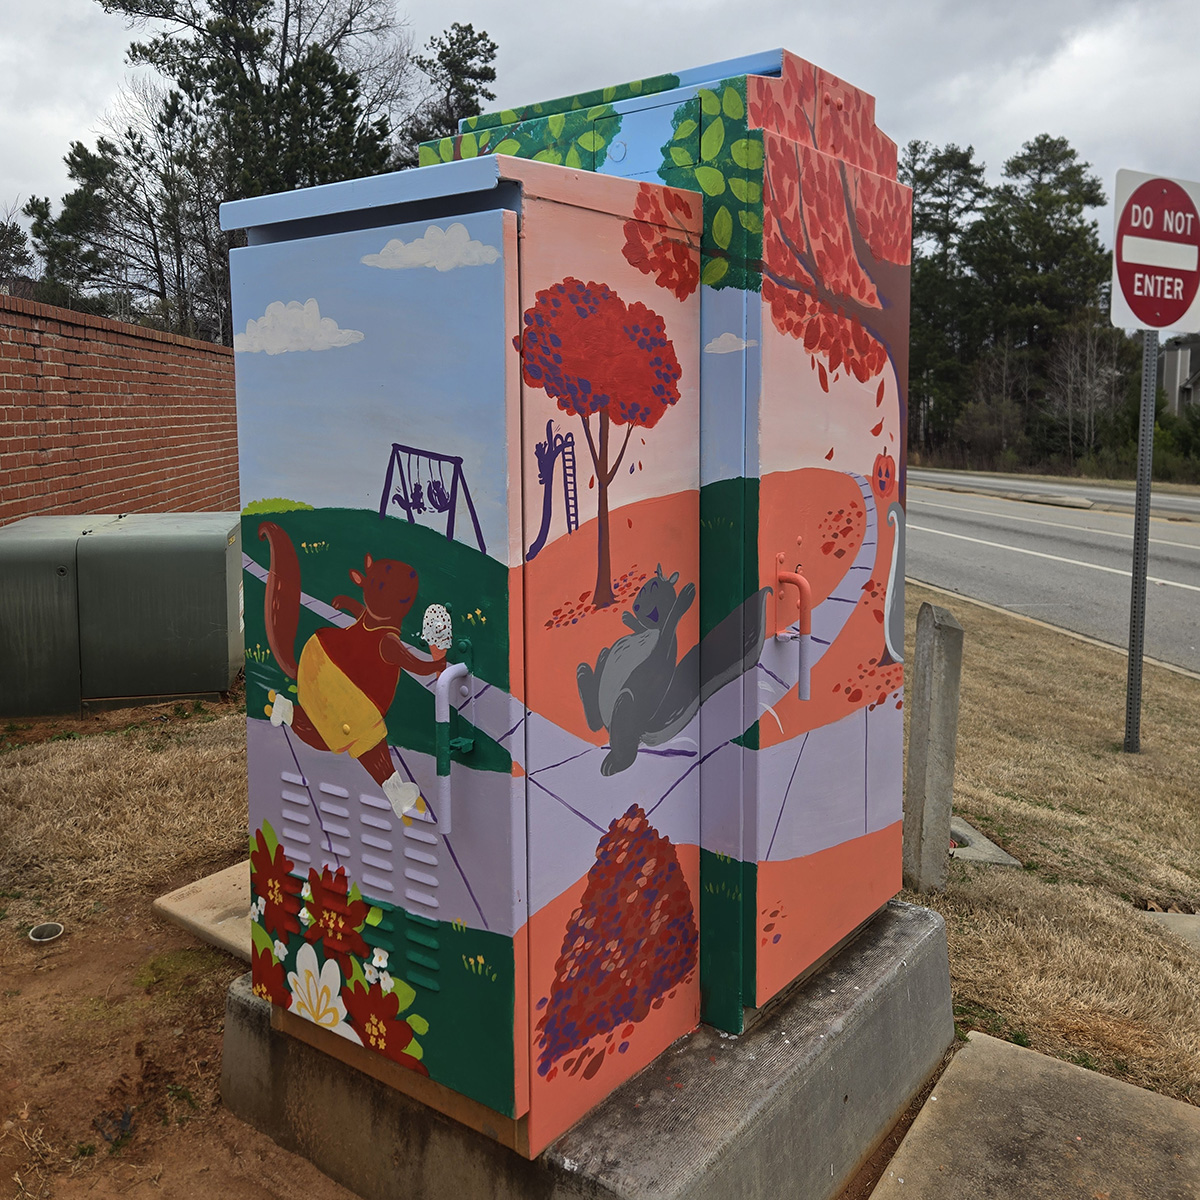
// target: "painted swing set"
[[416, 482]]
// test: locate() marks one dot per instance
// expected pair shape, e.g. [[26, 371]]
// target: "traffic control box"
[[803, 278], [573, 554]]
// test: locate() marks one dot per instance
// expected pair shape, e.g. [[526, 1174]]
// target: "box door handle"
[[454, 674], [796, 579]]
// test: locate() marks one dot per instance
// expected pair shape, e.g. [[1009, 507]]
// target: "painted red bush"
[[630, 941]]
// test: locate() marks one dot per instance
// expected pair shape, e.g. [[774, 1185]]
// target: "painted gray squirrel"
[[638, 690]]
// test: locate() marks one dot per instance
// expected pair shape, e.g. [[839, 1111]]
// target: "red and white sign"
[[1156, 253]]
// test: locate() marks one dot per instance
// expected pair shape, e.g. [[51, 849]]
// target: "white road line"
[[984, 512], [1074, 562]]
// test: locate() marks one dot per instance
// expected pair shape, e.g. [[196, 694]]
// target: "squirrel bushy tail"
[[283, 596]]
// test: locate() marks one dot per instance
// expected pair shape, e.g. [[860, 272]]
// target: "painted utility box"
[[803, 279], [469, 431]]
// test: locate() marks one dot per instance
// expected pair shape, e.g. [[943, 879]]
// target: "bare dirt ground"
[[110, 1037]]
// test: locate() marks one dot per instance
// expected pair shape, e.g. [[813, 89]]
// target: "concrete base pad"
[[216, 909], [791, 1108], [1012, 1122]]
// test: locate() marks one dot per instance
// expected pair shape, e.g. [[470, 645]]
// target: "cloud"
[[442, 249], [293, 326], [728, 343]]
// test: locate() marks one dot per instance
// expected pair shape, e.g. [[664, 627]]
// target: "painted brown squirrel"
[[346, 678]]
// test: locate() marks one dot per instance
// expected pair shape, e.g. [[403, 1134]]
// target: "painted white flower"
[[316, 994], [386, 982], [305, 916], [306, 891], [371, 974], [280, 950], [379, 959]]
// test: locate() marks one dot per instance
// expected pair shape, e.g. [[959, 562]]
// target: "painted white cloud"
[[293, 326], [442, 249], [728, 343]]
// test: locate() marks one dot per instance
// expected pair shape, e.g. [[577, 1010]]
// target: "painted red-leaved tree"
[[837, 227], [598, 356], [658, 242]]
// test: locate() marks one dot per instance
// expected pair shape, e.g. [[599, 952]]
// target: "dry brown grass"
[[87, 822], [1057, 956]]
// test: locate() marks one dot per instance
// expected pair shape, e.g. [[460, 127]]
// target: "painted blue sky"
[[428, 370]]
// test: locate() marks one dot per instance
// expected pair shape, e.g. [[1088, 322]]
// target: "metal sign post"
[[1155, 285], [1141, 544]]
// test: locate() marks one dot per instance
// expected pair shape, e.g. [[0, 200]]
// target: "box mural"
[[502, 895], [803, 273], [573, 547]]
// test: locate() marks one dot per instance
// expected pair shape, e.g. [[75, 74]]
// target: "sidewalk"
[[1004, 1122]]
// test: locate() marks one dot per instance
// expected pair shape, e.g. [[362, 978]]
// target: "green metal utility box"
[[115, 607]]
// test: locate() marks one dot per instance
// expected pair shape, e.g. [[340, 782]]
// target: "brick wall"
[[99, 416]]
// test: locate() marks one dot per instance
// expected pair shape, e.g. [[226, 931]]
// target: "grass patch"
[[94, 820], [1057, 954]]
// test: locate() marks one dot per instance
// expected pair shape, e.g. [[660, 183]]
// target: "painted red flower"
[[272, 881], [336, 919], [267, 978], [374, 1014]]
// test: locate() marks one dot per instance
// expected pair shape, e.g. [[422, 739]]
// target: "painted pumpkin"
[[884, 478]]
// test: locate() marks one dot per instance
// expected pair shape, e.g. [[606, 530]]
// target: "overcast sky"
[[1121, 81]]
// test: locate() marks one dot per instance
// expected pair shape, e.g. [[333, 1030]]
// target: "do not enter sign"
[[1156, 253]]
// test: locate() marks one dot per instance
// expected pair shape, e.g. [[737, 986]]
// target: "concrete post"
[[932, 737]]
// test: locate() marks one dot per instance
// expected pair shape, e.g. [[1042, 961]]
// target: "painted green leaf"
[[419, 1025], [609, 94], [446, 149], [573, 159], [739, 187], [685, 130], [262, 940], [751, 221], [731, 102], [405, 993], [374, 915], [747, 153], [548, 156], [681, 157], [601, 110], [508, 117], [270, 837], [556, 123], [722, 227], [636, 86], [590, 140], [710, 180], [712, 139], [427, 156], [714, 270], [508, 146], [356, 975], [354, 894], [468, 146], [709, 102], [253, 847], [753, 191]]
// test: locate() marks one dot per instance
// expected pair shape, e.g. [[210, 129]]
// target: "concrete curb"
[[793, 1107], [1007, 1122]]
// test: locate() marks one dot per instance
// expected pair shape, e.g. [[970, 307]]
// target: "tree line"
[[247, 97], [1014, 364]]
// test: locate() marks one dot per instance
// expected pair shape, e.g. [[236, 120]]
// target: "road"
[[1105, 495], [1066, 566]]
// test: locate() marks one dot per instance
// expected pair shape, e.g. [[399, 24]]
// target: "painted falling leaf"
[[877, 430], [829, 456]]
